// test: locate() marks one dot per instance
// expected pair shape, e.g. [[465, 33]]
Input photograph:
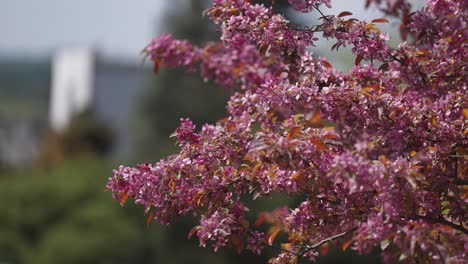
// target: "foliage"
[[375, 157], [174, 94], [84, 136], [61, 215]]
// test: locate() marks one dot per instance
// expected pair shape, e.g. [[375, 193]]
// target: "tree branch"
[[459, 181], [323, 15], [329, 239], [314, 246], [442, 221], [282, 249]]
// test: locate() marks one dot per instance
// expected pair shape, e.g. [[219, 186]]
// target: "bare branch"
[[326, 240], [442, 221]]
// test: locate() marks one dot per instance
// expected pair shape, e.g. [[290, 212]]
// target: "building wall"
[[116, 95], [72, 85]]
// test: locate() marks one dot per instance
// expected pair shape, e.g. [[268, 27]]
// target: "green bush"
[[62, 215]]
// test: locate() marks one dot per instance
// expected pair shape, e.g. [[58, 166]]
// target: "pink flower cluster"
[[243, 23], [399, 8], [308, 5], [377, 155]]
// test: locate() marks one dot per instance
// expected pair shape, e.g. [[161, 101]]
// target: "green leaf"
[[445, 211], [296, 117]]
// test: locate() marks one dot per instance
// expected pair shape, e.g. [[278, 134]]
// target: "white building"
[[72, 85], [81, 80]]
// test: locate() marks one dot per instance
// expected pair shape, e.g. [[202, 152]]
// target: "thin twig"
[[459, 181], [326, 240], [399, 60], [323, 15], [442, 221], [282, 249], [459, 156]]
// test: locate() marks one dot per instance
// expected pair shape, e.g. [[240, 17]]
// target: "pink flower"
[[373, 156]]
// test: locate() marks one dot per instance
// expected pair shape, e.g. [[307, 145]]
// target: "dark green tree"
[[173, 93]]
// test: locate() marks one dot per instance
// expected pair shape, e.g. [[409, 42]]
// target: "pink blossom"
[[375, 156], [308, 5]]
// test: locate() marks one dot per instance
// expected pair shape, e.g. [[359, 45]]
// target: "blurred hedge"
[[62, 215]]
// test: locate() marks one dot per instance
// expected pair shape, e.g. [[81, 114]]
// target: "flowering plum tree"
[[377, 156]]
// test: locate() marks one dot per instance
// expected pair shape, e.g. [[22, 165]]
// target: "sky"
[[117, 28]]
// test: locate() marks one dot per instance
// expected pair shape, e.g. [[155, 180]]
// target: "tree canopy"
[[375, 157]]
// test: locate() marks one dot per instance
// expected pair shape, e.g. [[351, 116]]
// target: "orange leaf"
[[447, 228], [157, 65], [286, 246], [319, 144], [332, 198], [260, 219], [326, 64], [416, 167], [238, 242], [346, 244], [300, 178], [383, 159], [150, 218], [464, 195], [245, 224], [297, 174], [369, 26], [230, 126], [331, 136], [380, 20], [256, 170], [263, 48], [431, 148], [293, 132], [201, 194], [420, 52], [194, 230], [271, 172], [358, 59], [273, 232], [345, 13], [172, 184], [365, 90], [315, 119], [249, 157], [123, 198], [324, 249]]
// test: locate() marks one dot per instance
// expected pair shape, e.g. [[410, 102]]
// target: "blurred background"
[[76, 102]]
